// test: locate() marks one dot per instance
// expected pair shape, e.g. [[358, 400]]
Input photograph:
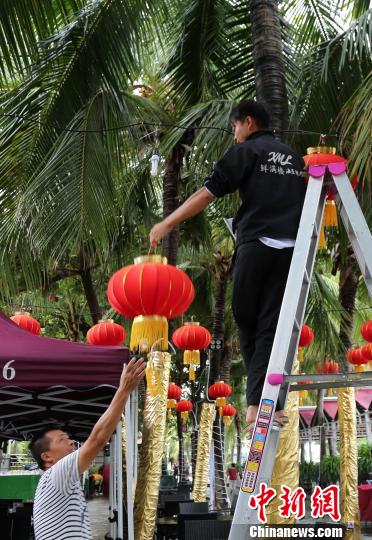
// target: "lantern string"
[[157, 126]]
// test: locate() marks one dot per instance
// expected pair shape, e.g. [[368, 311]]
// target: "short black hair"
[[40, 443], [250, 107]]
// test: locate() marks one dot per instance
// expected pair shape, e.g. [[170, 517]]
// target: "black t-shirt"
[[269, 177]]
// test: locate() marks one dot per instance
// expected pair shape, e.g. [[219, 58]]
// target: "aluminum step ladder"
[[265, 437]]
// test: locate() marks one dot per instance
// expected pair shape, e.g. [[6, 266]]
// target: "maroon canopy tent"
[[45, 380]]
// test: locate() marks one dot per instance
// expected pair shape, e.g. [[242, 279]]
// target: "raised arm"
[[192, 206], [132, 374]]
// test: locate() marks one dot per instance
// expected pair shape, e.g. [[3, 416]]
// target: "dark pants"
[[259, 280]]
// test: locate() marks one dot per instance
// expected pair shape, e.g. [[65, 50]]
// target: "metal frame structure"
[[24, 412], [265, 438]]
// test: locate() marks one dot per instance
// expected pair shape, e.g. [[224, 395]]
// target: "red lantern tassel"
[[146, 330], [192, 373], [220, 402], [330, 215], [322, 244]]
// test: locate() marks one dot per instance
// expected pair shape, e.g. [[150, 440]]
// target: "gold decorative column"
[[208, 413], [286, 470], [348, 462], [151, 454]]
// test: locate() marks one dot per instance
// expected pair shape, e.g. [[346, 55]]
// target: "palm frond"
[[197, 42], [23, 23]]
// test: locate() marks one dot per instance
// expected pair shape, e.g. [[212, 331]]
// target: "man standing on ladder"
[[269, 177]]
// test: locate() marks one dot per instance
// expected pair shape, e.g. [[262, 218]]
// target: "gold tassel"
[[227, 420], [300, 354], [329, 392], [191, 357], [220, 402], [360, 368], [303, 394], [322, 244], [146, 330], [184, 416], [192, 373], [330, 215]]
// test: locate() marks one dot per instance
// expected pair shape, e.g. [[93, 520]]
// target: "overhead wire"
[[154, 123]]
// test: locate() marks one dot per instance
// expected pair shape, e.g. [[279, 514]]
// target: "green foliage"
[[329, 470], [364, 462], [309, 472]]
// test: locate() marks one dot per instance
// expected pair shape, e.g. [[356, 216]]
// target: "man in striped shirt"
[[60, 509]]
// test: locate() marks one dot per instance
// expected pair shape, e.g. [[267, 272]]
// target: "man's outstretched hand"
[[158, 232], [132, 374]]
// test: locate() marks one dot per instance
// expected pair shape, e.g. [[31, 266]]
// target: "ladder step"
[[331, 380], [335, 384], [326, 377]]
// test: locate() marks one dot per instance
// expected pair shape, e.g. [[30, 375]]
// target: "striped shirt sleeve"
[[65, 473]]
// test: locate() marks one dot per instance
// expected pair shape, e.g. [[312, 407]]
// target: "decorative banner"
[[208, 413], [151, 454], [348, 462], [286, 470]]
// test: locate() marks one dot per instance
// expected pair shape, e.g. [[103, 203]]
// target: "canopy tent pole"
[[119, 477], [129, 465], [115, 499], [368, 427], [111, 489], [135, 437]]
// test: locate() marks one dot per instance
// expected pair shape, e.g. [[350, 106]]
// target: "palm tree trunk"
[[223, 265], [90, 294], [348, 285], [269, 60], [238, 438], [321, 420], [171, 185]]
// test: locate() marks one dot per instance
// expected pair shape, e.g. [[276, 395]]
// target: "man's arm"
[[132, 374], [192, 206]]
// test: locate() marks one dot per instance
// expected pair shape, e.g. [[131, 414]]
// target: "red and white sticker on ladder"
[[257, 446]]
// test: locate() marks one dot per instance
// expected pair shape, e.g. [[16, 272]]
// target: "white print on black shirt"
[[276, 157], [273, 169]]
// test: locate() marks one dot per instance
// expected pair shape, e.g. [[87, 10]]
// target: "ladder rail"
[[261, 459], [285, 345], [355, 225]]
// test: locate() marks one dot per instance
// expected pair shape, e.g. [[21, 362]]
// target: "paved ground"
[[98, 513]]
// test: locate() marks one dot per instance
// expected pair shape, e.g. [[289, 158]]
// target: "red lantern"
[[328, 367], [25, 321], [174, 392], [106, 333], [355, 357], [367, 352], [366, 331], [227, 412], [324, 155], [191, 338], [184, 407], [150, 291], [306, 336], [220, 391]]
